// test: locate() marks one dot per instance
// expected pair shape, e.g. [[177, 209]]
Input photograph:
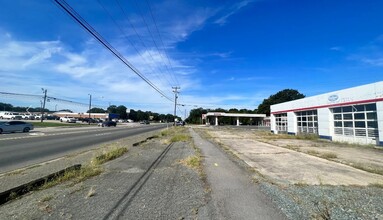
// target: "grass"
[[377, 185], [371, 169], [88, 171], [75, 176], [193, 162], [323, 211], [46, 198], [329, 155], [176, 134], [110, 155], [180, 137]]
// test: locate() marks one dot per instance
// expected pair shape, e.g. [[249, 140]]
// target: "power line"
[[140, 38], [100, 39], [154, 42], [48, 99], [131, 43], [162, 42]]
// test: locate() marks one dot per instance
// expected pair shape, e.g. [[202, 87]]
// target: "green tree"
[[5, 107], [195, 116], [281, 96], [96, 110], [121, 110], [112, 109]]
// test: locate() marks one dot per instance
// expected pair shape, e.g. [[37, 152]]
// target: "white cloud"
[[373, 62], [234, 9], [370, 54]]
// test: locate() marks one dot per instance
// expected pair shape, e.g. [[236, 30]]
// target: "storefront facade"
[[353, 115]]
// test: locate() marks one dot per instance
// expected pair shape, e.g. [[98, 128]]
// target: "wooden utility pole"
[[175, 90]]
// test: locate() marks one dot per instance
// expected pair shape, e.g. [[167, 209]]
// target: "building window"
[[281, 122], [356, 121], [307, 122]]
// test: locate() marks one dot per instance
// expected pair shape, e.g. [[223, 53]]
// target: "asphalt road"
[[24, 149]]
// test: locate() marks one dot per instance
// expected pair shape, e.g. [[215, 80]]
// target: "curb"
[[27, 187]]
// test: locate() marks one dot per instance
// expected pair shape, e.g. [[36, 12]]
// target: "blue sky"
[[227, 54]]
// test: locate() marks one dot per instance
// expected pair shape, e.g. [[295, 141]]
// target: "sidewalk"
[[233, 195]]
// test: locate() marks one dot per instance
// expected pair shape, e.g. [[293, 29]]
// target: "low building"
[[353, 115], [103, 116], [258, 119]]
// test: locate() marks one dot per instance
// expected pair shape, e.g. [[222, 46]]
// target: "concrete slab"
[[289, 166]]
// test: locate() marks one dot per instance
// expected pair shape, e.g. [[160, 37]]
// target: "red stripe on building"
[[330, 105]]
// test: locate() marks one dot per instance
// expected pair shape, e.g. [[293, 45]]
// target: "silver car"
[[14, 126]]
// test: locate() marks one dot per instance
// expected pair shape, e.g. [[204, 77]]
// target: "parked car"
[[108, 124], [68, 119], [14, 126], [145, 122], [87, 120], [51, 117], [10, 115], [27, 116], [180, 123]]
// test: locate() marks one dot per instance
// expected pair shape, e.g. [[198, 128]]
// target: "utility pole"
[[43, 107], [90, 106], [175, 90]]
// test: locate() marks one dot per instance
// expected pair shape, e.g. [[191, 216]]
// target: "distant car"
[[52, 117], [11, 115], [28, 116], [145, 122], [180, 123], [68, 119], [108, 124], [15, 126]]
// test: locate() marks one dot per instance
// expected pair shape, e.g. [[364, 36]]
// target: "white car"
[[10, 115], [27, 116], [68, 119]]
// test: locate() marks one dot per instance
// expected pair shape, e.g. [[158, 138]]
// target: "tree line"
[[135, 115]]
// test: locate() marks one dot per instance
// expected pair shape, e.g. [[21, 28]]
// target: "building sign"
[[333, 98]]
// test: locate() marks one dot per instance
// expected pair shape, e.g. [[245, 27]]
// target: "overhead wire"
[[131, 43], [155, 43], [140, 39], [69, 10], [49, 99], [162, 42]]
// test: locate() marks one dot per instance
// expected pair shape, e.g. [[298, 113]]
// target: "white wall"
[[325, 122], [292, 126], [272, 124], [379, 112]]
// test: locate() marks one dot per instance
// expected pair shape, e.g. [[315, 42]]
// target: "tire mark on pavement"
[[122, 204]]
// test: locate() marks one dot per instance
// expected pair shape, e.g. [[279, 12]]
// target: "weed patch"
[[193, 162], [110, 155], [180, 137], [46, 198], [75, 176]]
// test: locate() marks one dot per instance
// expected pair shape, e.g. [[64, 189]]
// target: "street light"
[[90, 106]]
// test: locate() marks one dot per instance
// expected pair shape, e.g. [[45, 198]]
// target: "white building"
[[353, 115]]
